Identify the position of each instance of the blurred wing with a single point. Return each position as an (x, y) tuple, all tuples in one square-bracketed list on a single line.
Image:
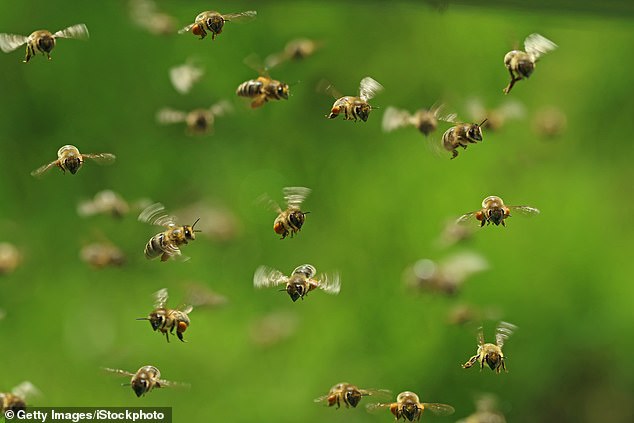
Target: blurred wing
[(9, 42), (331, 284), (439, 409), (187, 28), (155, 215), (26, 390), (295, 196), (394, 118), (266, 277), (275, 59), (241, 17), (369, 88), (118, 372), (168, 116), (169, 384), (101, 158), (268, 203), (255, 62), (185, 308), (160, 298), (43, 169), (480, 335), (465, 217), (536, 46), (449, 117), (377, 393), (524, 210), (324, 86), (503, 331), (377, 407), (221, 108), (78, 32), (183, 77), (323, 398)]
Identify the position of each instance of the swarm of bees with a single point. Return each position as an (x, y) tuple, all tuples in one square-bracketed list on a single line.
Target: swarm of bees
[(41, 41), (408, 407), (197, 121), (299, 283), (165, 320), (214, 22), (70, 159), (491, 354), (145, 379), (521, 64), (348, 395), (17, 398), (353, 108), (494, 211)]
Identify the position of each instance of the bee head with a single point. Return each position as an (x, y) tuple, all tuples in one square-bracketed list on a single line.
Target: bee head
[(295, 291), (525, 67), (496, 216), (46, 43), (189, 231), (297, 218), (200, 122), (215, 23), (156, 319), (363, 111), (475, 131), (282, 91), (139, 386), (17, 404), (353, 397), (72, 164)]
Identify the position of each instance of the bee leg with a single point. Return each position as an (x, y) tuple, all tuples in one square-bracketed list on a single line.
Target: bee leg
[(29, 53), (165, 257), (180, 336), (167, 337), (470, 363), (454, 154)]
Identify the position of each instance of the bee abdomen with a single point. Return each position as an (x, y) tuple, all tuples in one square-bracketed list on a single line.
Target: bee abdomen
[(154, 247), (251, 88)]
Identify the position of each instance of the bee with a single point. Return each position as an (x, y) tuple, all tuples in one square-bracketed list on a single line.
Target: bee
[(16, 399), (495, 118), (214, 22), (486, 411), (198, 121), (408, 406), (491, 354), (10, 258), (263, 88), (145, 379), (165, 320), (300, 283), (461, 135), (184, 76), (494, 211), (425, 120), (549, 122), (297, 49), (447, 276), (348, 394), (291, 220), (166, 244), (354, 108), (106, 202), (42, 41), (273, 328), (464, 314), (100, 255), (146, 15), (521, 64), (69, 158)]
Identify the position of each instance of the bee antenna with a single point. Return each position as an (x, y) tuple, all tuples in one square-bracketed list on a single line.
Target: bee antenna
[(483, 122), (195, 224), (142, 318), (305, 212), (283, 289)]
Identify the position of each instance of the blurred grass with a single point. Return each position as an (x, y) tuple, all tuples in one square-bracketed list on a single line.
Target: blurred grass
[(379, 202)]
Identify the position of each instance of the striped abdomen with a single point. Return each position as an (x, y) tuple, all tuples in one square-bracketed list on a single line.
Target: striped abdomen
[(251, 88), (155, 246)]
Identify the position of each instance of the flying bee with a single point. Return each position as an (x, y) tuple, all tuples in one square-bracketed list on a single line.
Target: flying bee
[(408, 406), (461, 135), (214, 22), (146, 15), (184, 76), (198, 121), (354, 108), (291, 220), (165, 320), (297, 49), (145, 379), (263, 88), (425, 120), (491, 354), (494, 211), (464, 314), (495, 118), (10, 258), (41, 41), (348, 394), (69, 158), (486, 411), (166, 244), (100, 255), (446, 276), (106, 202), (549, 122), (300, 283), (521, 64), (17, 398)]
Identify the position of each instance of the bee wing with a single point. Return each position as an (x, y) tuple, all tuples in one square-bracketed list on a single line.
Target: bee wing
[(183, 77), (78, 32), (26, 390), (377, 407), (467, 216), (449, 117), (324, 86), (185, 308), (323, 398), (221, 108), (536, 46), (255, 62), (524, 210), (186, 28), (9, 42), (268, 203), (480, 335), (394, 118), (275, 59), (247, 16), (265, 277), (169, 384), (168, 116), (118, 372), (160, 298), (503, 331), (295, 196), (368, 88), (154, 214), (378, 393), (43, 169), (439, 409), (101, 158), (330, 283)]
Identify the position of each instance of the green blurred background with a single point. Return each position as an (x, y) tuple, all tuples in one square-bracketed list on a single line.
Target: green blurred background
[(379, 203)]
